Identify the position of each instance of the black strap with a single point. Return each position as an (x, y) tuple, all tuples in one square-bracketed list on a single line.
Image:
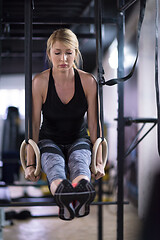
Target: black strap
[(156, 74), (100, 71), (101, 80), (28, 70), (114, 81)]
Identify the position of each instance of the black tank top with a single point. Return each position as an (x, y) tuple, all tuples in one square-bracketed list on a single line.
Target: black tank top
[(64, 123)]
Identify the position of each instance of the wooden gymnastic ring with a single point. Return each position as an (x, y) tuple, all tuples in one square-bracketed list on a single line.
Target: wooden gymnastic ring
[(94, 154), (37, 153)]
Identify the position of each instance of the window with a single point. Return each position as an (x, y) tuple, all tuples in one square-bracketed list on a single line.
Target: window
[(12, 97)]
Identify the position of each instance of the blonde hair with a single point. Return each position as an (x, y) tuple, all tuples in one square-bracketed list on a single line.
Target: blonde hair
[(68, 38)]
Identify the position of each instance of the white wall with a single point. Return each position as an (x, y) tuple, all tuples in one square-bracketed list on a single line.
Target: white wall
[(13, 81), (110, 110), (149, 161)]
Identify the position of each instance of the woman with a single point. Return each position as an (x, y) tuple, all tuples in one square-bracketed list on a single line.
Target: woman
[(64, 94)]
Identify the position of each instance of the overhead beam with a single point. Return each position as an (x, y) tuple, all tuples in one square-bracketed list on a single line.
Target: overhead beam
[(79, 35), (60, 21), (21, 54)]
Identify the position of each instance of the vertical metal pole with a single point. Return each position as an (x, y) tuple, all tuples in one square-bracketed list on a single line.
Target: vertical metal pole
[(1, 5), (100, 72), (157, 71), (28, 69), (1, 222), (100, 212), (120, 157)]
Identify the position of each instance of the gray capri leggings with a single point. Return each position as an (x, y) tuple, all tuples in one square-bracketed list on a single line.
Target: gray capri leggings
[(56, 159)]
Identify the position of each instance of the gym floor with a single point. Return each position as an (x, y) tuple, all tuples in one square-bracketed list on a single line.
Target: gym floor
[(77, 229)]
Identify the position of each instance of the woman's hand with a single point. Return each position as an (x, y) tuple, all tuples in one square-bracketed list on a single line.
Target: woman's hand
[(100, 171), (99, 164), (29, 174)]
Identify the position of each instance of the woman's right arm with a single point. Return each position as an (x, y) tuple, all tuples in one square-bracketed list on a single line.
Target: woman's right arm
[(37, 100)]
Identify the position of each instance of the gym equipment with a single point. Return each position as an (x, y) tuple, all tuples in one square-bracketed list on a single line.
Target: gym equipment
[(94, 153), (37, 153), (10, 145)]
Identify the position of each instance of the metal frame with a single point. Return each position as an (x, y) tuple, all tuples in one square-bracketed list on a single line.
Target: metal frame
[(46, 203), (64, 20), (100, 72), (120, 153), (28, 98), (135, 142), (1, 4)]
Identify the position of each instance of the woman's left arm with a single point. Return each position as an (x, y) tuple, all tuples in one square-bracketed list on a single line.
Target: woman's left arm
[(91, 93)]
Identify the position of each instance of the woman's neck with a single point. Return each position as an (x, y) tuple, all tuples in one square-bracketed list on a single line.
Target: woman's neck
[(63, 77)]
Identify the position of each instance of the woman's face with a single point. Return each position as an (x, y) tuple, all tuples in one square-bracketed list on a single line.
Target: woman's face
[(61, 56)]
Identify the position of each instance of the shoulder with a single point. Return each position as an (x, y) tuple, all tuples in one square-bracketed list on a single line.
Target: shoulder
[(87, 79), (40, 80), (89, 82), (40, 85), (85, 76), (41, 77)]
